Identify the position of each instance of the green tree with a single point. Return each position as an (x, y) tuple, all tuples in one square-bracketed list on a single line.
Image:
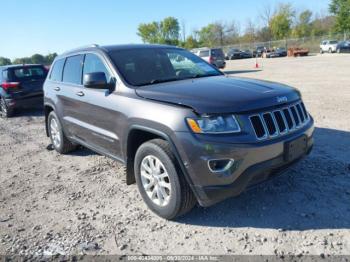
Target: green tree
[(170, 31), (217, 34), (49, 58), (190, 43), (281, 21), (4, 61), (37, 59), (341, 10), (23, 60), (163, 32), (303, 24)]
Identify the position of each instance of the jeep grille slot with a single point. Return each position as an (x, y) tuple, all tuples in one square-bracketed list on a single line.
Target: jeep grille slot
[(301, 114), (282, 127), (288, 117), (258, 127), (279, 122), (295, 115), (270, 124)]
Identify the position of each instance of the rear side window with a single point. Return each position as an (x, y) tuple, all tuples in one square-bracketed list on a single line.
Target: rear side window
[(28, 73), (57, 69), (72, 72), (204, 53)]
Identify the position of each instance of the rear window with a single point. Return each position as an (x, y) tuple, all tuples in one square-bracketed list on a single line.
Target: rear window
[(28, 73), (217, 52)]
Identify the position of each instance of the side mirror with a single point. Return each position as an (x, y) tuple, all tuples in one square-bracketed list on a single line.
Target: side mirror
[(96, 80)]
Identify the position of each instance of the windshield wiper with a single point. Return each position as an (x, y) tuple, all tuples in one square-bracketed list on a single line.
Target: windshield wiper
[(157, 81), (200, 76)]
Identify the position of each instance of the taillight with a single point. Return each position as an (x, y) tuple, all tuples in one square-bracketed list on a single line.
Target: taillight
[(211, 59), (8, 85)]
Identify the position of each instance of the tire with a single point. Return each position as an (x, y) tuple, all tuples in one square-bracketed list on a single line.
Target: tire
[(321, 51), (179, 198), (330, 50), (58, 139), (5, 111)]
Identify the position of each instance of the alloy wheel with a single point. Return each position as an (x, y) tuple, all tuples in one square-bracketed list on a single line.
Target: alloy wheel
[(55, 133), (155, 180)]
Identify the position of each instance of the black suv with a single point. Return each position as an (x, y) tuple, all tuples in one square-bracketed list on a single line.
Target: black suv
[(186, 132), (21, 86)]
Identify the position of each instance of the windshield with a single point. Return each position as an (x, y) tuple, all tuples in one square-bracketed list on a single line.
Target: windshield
[(157, 65)]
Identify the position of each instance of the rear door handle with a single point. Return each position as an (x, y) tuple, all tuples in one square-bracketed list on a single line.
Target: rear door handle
[(57, 88), (80, 93)]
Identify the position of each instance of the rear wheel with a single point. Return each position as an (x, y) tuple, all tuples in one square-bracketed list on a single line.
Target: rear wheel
[(160, 181), (5, 111), (58, 139), (330, 50)]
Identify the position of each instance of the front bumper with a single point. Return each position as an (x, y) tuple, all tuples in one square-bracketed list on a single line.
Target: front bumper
[(253, 163)]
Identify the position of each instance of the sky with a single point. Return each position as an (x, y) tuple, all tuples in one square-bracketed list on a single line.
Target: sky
[(41, 26)]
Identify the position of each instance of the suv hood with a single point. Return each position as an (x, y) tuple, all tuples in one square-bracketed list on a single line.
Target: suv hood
[(220, 94)]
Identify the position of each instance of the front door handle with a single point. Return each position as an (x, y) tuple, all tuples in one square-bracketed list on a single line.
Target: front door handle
[(57, 88), (80, 93)]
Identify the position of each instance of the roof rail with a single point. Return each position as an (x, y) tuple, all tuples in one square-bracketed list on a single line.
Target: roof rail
[(82, 47)]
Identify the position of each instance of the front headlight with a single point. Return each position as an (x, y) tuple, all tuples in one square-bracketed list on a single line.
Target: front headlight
[(214, 124)]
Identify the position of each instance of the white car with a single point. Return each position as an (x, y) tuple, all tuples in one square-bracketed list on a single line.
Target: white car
[(329, 46)]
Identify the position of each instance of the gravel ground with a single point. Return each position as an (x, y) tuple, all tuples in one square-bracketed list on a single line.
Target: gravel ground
[(79, 203)]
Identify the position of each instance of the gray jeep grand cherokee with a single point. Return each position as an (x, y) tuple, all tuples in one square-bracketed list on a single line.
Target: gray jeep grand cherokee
[(186, 132)]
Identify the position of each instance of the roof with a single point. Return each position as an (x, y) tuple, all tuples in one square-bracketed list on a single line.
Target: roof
[(19, 65), (109, 48)]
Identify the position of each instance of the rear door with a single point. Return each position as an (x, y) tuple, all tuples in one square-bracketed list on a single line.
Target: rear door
[(31, 80), (70, 95)]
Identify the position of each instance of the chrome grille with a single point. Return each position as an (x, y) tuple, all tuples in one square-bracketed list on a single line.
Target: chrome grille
[(279, 122)]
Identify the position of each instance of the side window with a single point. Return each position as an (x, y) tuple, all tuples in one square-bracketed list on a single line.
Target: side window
[(73, 67), (57, 69), (93, 64), (204, 53)]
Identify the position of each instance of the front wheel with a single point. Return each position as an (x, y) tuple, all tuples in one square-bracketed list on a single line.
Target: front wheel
[(58, 139), (330, 50), (160, 181)]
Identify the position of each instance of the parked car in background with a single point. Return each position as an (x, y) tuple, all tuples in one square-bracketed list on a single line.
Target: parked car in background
[(278, 52), (185, 132), (246, 54), (259, 51), (343, 47), (281, 51), (329, 46), (21, 86), (233, 54), (214, 56)]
